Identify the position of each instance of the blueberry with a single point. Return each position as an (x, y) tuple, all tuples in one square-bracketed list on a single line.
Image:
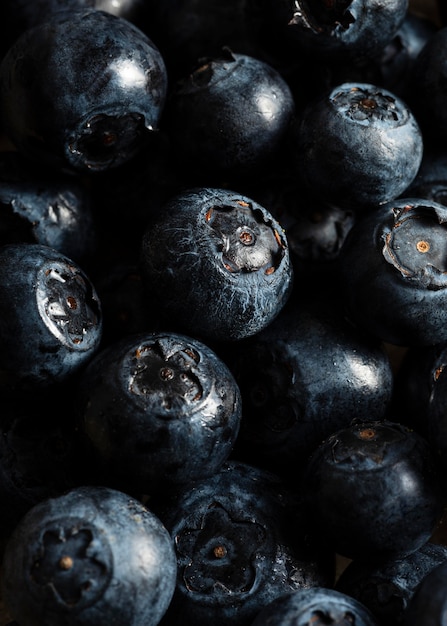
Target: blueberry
[(387, 589), (110, 81), (309, 373), (158, 410), (373, 489), (41, 206), (358, 132), (428, 603), (216, 264), (241, 541), (229, 116), (316, 606), (50, 317), (431, 180), (91, 556), (392, 272)]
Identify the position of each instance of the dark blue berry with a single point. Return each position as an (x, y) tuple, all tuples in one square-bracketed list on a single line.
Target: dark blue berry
[(91, 556), (216, 264), (82, 90), (158, 410), (428, 603)]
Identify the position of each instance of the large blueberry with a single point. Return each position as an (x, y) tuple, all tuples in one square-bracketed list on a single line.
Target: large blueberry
[(309, 373), (393, 272), (358, 145), (373, 491), (316, 606), (241, 541), (228, 116), (386, 589), (50, 317), (82, 90), (41, 206), (157, 410), (216, 263), (93, 556)]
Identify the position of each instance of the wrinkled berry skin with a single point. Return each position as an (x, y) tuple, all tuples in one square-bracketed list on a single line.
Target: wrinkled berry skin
[(341, 28), (91, 556), (50, 317), (309, 373), (229, 115), (82, 90), (158, 410), (428, 604), (387, 589), (44, 207), (358, 132), (240, 541), (373, 491), (393, 272), (316, 606), (216, 263)]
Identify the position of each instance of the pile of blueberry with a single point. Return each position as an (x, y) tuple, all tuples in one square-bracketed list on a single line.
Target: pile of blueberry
[(223, 312)]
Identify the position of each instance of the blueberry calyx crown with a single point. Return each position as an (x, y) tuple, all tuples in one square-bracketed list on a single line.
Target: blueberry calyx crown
[(367, 104), (248, 243), (415, 244)]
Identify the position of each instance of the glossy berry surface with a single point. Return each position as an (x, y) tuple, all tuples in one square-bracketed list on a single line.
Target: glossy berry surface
[(91, 556), (361, 132), (230, 114), (373, 491), (316, 606), (393, 272), (216, 263), (158, 410), (240, 540), (51, 318), (110, 81)]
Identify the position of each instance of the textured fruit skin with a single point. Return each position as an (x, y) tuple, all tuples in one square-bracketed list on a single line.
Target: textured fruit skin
[(315, 606), (44, 207), (306, 375), (373, 491), (91, 556), (228, 116), (362, 132), (82, 90), (388, 588), (158, 410), (50, 317), (428, 604), (393, 272), (241, 541), (216, 263)]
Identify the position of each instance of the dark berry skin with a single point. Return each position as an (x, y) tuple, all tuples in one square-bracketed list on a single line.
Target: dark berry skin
[(240, 542), (393, 274), (91, 556), (358, 132), (44, 207), (50, 317), (229, 116), (341, 28), (158, 410), (431, 180), (309, 373), (435, 413), (373, 491), (428, 604), (110, 81), (316, 606), (216, 263), (388, 588)]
